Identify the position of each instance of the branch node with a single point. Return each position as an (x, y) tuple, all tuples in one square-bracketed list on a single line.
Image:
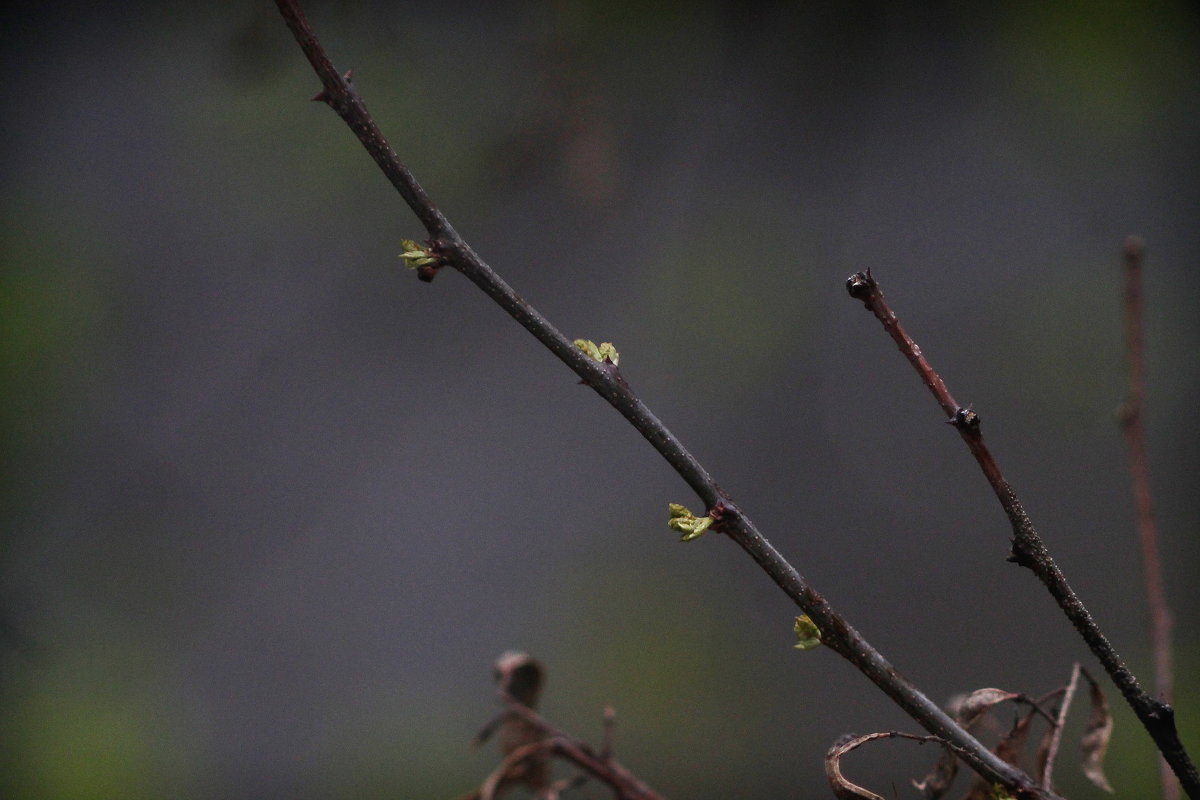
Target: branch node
[(966, 420), (1021, 555)]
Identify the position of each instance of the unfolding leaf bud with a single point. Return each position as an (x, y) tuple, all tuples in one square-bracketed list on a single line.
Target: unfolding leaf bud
[(687, 523), (808, 635)]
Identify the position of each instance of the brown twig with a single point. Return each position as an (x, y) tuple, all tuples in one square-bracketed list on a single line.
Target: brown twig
[(1028, 549), (1058, 725), (1133, 252), (453, 251), (554, 742)]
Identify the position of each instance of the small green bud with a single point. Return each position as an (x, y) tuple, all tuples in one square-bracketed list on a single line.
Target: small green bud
[(686, 522), (808, 635), (607, 351), (677, 510), (602, 352), (415, 256)]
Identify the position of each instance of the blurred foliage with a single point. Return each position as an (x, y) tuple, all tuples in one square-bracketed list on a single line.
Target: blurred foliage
[(726, 306), (1113, 66), (88, 723), (49, 305)]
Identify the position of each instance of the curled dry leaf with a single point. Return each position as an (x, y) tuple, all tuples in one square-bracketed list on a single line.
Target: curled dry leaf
[(1095, 739), (844, 789), (970, 709)]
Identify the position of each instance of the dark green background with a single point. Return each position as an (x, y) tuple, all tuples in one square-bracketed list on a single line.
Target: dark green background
[(271, 507)]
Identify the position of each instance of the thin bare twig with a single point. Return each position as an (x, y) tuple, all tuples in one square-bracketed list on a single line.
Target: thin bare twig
[(1133, 252), (1058, 724), (601, 766), (1028, 549), (340, 95)]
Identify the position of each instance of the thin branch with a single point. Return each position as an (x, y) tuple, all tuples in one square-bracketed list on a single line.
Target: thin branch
[(1133, 253), (843, 639), (1028, 549), (1058, 724), (601, 766)]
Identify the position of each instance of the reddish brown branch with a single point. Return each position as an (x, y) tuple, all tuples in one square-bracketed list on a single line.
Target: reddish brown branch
[(1133, 252), (1028, 549)]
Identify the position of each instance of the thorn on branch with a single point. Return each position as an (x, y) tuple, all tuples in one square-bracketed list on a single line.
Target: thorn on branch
[(323, 96)]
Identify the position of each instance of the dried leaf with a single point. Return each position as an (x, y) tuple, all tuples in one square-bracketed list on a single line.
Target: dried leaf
[(1096, 736), (970, 709), (520, 676), (1009, 750), (1011, 746), (938, 781), (1043, 755), (842, 788)]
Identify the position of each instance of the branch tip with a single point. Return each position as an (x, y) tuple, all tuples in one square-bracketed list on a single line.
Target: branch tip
[(1133, 247), (861, 285)]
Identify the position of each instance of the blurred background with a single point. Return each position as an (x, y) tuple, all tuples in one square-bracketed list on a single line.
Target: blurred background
[(271, 507)]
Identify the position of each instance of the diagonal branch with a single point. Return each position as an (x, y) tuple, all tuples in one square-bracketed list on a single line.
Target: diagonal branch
[(1028, 549), (843, 639)]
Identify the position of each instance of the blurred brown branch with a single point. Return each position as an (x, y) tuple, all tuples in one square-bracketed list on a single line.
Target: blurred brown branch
[(1133, 253), (528, 741)]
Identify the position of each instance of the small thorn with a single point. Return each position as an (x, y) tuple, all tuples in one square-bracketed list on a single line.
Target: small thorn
[(320, 97), (348, 76)]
